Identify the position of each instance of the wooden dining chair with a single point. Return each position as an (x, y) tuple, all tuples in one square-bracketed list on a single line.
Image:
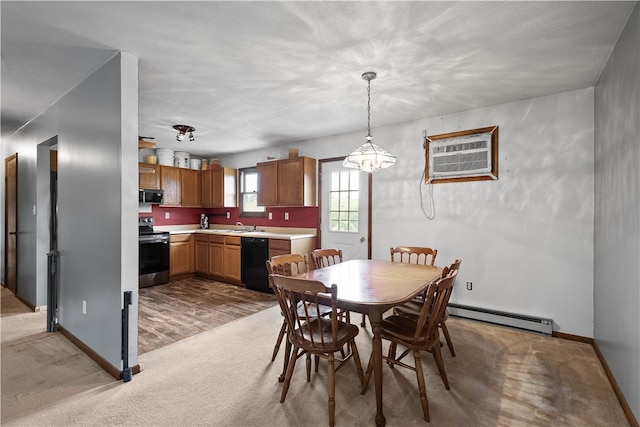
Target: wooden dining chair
[(288, 265), (321, 336), (326, 257), (412, 308), (416, 335), (414, 255)]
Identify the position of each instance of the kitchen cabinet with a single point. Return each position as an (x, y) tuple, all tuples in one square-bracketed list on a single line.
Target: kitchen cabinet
[(170, 183), (297, 246), (202, 254), (219, 257), (219, 188), (232, 259), (190, 187), (181, 186), (288, 182), (181, 255), (148, 176), (267, 183), (216, 256)]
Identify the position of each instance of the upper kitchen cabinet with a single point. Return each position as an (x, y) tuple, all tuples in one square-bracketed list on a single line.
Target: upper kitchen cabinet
[(288, 182), (190, 188), (170, 183), (219, 188), (267, 183), (148, 176), (181, 186)]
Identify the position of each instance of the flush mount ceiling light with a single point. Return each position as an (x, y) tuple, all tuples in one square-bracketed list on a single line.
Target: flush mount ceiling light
[(369, 157), (182, 130)]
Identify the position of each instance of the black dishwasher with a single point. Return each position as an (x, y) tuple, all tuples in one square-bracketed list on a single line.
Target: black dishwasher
[(255, 252)]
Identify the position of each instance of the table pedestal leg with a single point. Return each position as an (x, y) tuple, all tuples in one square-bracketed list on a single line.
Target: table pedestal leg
[(375, 319)]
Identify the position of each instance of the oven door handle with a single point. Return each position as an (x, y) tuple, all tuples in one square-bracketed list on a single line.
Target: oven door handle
[(153, 239)]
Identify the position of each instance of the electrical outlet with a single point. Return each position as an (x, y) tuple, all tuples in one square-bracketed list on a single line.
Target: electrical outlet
[(167, 215), (84, 307), (469, 286), (286, 216), (228, 215), (270, 215)]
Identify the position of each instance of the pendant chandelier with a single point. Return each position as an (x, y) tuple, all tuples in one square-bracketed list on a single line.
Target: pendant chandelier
[(369, 157)]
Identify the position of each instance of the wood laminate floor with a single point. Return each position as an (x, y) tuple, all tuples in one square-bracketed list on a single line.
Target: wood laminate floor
[(182, 308)]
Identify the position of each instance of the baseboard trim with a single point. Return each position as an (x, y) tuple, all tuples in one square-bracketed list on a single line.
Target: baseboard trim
[(112, 370), (616, 388), (27, 303)]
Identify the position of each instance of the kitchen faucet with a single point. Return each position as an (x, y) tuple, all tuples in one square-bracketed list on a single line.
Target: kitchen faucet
[(246, 227)]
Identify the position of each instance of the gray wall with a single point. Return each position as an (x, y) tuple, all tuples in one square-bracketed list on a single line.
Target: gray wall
[(617, 216), (96, 128), (526, 240)]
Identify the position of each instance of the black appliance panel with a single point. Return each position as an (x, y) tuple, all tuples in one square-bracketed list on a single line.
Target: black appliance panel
[(255, 253)]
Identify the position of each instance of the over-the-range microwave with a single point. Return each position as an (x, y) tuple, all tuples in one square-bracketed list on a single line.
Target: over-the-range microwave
[(150, 197)]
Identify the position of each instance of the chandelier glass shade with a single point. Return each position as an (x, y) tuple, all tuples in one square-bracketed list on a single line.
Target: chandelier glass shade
[(369, 157)]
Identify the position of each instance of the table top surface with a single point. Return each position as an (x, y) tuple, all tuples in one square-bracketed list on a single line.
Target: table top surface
[(375, 282)]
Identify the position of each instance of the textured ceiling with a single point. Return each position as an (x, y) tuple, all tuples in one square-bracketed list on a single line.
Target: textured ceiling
[(248, 75)]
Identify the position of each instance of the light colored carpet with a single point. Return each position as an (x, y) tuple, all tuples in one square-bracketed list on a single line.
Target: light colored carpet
[(224, 377)]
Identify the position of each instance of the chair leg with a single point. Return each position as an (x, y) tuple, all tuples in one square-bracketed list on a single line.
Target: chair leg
[(283, 330), (437, 356), (363, 323), (309, 367), (367, 375), (287, 379), (392, 354), (356, 359), (317, 362), (421, 386), (287, 356), (332, 390), (445, 332)]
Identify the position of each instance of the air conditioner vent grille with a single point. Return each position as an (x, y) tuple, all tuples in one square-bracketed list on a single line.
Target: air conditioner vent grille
[(461, 162)]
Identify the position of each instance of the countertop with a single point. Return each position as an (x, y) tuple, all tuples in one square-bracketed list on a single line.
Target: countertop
[(264, 232)]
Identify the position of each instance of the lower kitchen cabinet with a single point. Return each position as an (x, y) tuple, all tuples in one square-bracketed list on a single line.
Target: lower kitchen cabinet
[(202, 254), (232, 259), (218, 257), (181, 255)]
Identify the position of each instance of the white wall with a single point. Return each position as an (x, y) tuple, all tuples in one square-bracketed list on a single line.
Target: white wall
[(617, 215), (526, 240), (96, 128)]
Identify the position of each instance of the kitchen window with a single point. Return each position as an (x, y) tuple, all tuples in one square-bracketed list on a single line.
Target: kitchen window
[(249, 193), (344, 199)]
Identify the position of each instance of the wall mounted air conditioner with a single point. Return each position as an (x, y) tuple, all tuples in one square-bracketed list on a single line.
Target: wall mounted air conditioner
[(462, 156)]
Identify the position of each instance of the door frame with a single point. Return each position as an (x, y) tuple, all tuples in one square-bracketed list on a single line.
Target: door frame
[(6, 223), (369, 204)]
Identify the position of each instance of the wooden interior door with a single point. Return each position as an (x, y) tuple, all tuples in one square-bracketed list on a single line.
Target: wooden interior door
[(11, 222)]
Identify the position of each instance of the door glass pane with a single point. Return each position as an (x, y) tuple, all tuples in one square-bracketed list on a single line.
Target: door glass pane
[(344, 197)]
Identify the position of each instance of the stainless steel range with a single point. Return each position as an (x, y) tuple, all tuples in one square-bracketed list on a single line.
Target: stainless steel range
[(153, 253)]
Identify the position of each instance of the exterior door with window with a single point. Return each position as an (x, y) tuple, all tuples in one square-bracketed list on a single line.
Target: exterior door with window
[(344, 222)]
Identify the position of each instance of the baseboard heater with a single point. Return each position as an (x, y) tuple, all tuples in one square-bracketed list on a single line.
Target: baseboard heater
[(536, 324)]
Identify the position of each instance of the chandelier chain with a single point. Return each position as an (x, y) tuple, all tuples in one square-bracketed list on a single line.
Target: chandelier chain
[(369, 108)]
